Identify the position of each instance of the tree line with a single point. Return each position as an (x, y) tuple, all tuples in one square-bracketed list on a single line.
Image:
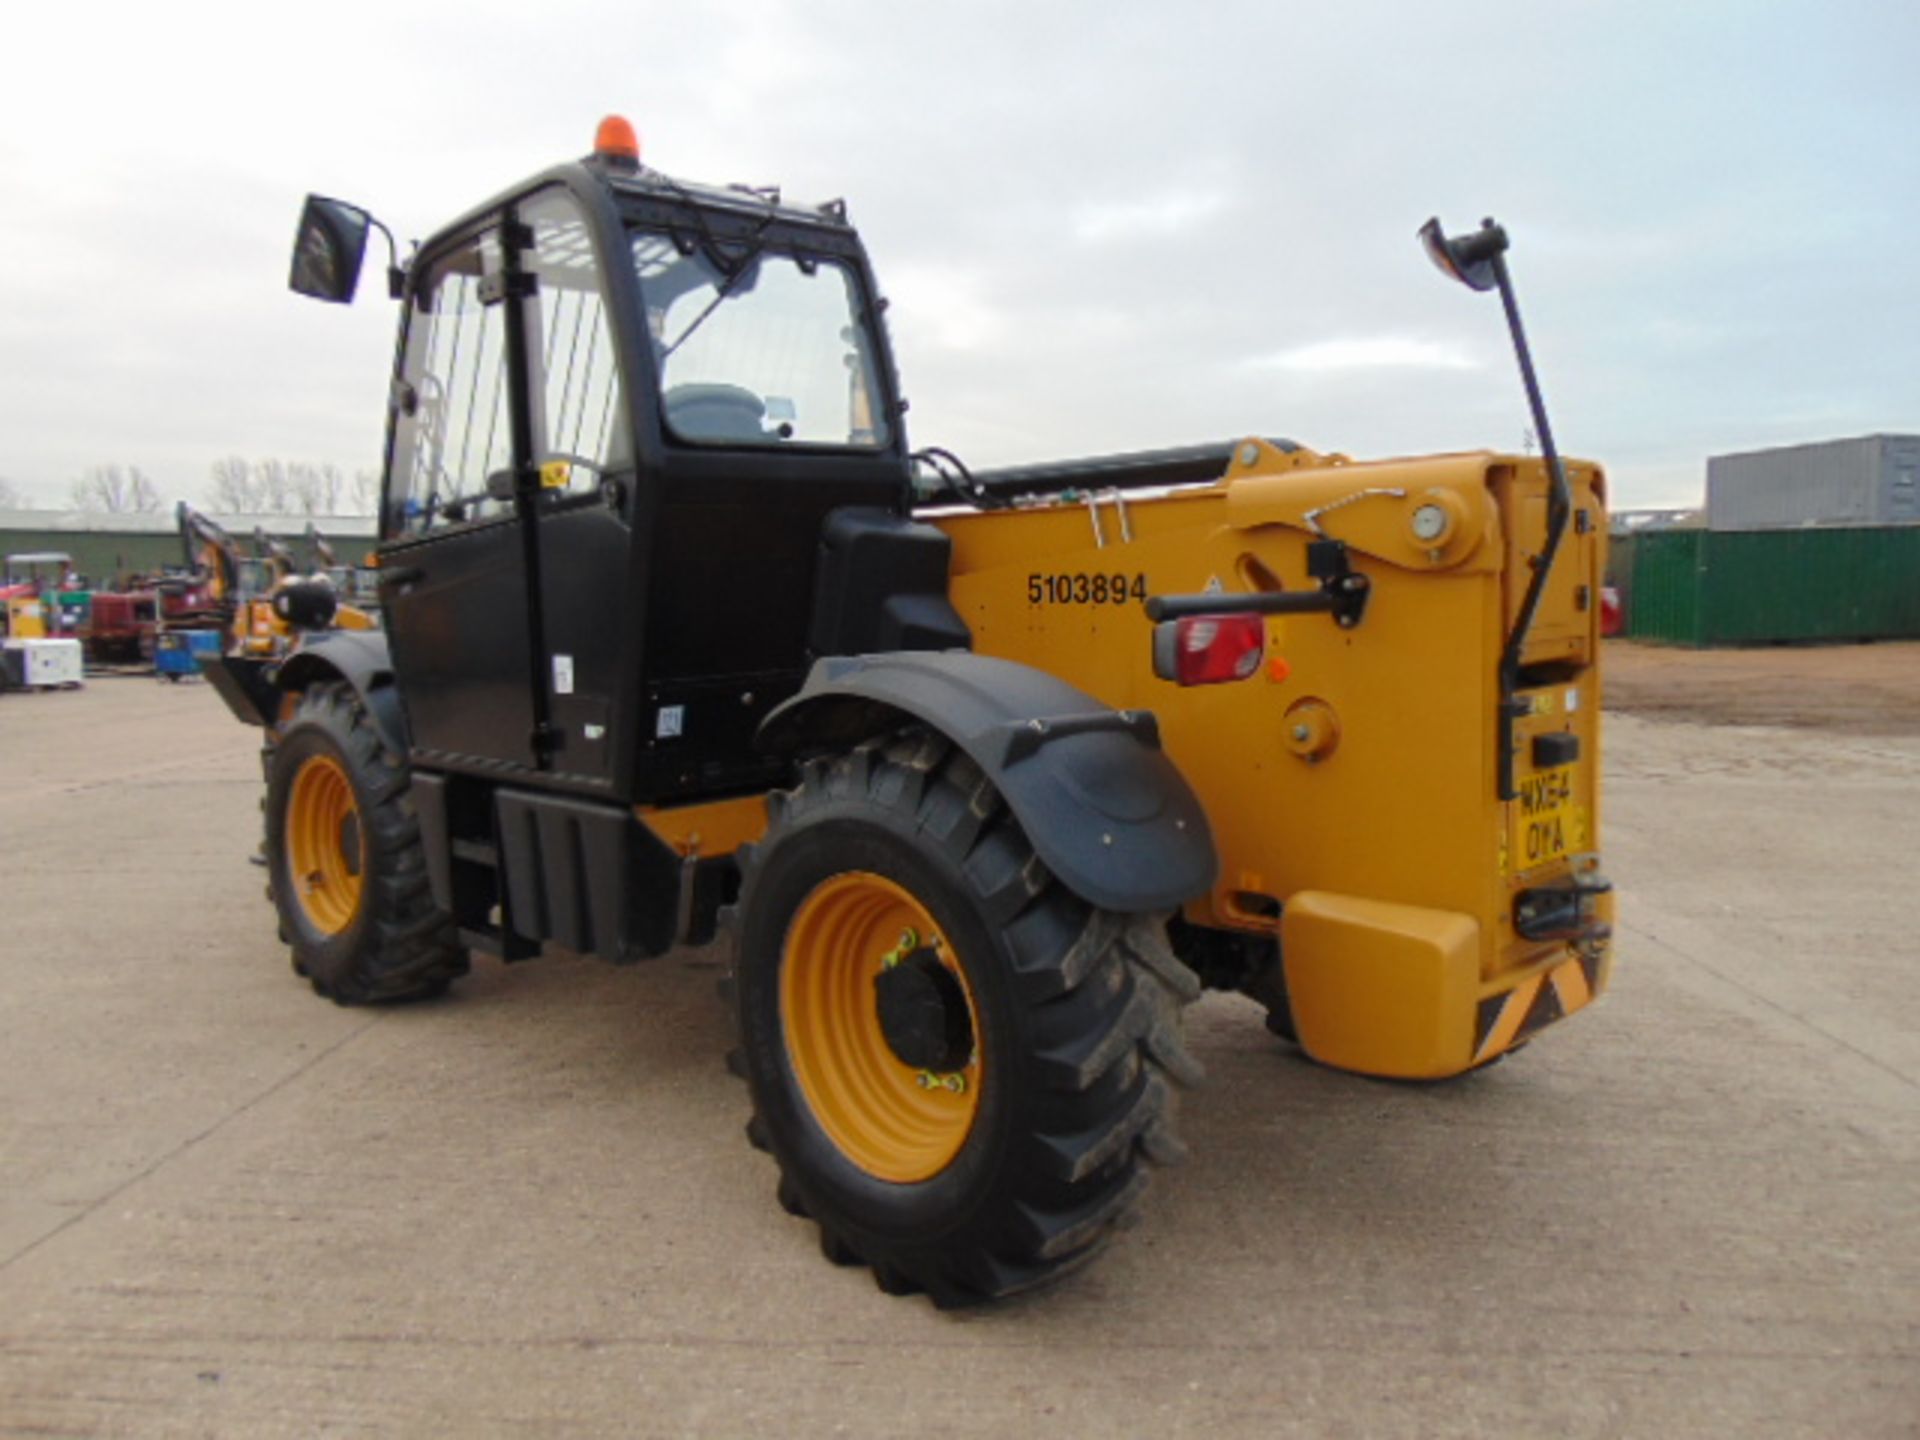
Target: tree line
[(291, 487), (238, 486)]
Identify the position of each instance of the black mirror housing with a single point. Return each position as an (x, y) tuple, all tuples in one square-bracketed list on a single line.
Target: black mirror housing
[(328, 248), (1467, 258)]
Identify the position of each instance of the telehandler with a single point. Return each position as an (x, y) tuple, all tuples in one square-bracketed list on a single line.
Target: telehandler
[(987, 775)]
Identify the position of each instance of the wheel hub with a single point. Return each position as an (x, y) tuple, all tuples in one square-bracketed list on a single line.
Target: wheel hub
[(923, 1013)]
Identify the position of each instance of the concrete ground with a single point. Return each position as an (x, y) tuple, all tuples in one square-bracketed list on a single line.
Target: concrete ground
[(230, 1208)]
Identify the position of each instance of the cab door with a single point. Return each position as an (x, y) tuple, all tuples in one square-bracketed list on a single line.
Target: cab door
[(502, 594), (581, 438), (452, 576)]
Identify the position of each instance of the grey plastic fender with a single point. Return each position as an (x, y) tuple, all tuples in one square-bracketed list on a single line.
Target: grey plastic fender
[(1107, 811), (362, 659)]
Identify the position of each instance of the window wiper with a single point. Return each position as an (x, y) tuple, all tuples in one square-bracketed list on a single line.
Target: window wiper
[(747, 264)]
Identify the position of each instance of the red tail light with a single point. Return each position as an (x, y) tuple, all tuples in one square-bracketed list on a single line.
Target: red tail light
[(1209, 649)]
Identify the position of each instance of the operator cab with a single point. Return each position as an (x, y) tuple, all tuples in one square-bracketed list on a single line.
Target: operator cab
[(623, 410)]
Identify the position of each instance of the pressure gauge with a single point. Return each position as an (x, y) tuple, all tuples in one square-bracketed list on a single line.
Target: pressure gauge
[(1430, 522)]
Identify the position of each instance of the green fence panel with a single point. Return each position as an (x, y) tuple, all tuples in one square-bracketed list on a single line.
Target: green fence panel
[(1666, 587), (1706, 587)]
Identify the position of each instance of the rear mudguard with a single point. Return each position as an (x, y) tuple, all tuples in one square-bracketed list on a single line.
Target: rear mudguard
[(361, 658), (244, 682), (1106, 810)]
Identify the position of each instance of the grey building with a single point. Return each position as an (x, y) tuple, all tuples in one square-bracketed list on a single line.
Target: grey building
[(1869, 480)]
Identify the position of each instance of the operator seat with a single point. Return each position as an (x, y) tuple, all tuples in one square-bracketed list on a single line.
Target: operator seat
[(715, 412)]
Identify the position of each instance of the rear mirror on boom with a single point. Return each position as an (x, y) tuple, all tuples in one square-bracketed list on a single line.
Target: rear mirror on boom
[(1468, 258), (1478, 260)]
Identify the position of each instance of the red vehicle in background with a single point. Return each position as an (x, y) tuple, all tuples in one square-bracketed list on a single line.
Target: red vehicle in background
[(184, 600), (121, 626), (1613, 615)]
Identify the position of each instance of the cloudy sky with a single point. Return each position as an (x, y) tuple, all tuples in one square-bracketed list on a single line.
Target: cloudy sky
[(1104, 226)]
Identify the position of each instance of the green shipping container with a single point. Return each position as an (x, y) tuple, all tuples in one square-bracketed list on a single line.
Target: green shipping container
[(1622, 551), (1754, 587)]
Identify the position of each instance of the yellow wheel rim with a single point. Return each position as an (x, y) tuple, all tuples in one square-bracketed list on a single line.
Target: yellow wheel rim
[(894, 1121), (325, 846)]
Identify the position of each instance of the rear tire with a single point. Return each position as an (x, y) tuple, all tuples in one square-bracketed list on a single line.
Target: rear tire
[(989, 1129), (345, 866)]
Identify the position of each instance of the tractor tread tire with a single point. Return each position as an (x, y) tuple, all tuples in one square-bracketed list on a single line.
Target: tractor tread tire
[(1091, 1104), (400, 946)]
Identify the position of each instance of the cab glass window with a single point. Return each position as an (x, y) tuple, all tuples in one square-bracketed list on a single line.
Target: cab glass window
[(451, 430), (767, 348), (580, 424)]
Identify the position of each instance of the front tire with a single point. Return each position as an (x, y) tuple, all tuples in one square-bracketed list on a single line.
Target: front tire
[(345, 865), (961, 1068)]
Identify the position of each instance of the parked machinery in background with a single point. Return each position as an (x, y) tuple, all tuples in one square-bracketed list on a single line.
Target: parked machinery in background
[(43, 606), (255, 603), (121, 626), (33, 582)]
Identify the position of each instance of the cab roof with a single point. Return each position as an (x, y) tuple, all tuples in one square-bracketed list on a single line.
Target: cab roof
[(732, 204), (758, 201)]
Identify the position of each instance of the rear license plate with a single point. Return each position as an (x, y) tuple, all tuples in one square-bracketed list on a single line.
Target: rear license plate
[(1548, 820)]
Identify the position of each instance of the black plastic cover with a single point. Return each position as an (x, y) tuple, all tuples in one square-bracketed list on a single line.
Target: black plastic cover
[(1106, 810), (430, 808), (242, 681), (585, 874), (882, 585)]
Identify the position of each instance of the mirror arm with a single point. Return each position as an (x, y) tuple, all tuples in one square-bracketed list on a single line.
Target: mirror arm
[(396, 276)]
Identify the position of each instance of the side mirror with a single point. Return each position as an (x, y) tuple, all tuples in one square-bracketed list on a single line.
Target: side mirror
[(328, 249)]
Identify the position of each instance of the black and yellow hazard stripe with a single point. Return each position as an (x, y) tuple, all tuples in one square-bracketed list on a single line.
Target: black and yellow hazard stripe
[(1536, 1002)]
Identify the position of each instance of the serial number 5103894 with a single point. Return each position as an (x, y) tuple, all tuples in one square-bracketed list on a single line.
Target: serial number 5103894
[(1116, 588)]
